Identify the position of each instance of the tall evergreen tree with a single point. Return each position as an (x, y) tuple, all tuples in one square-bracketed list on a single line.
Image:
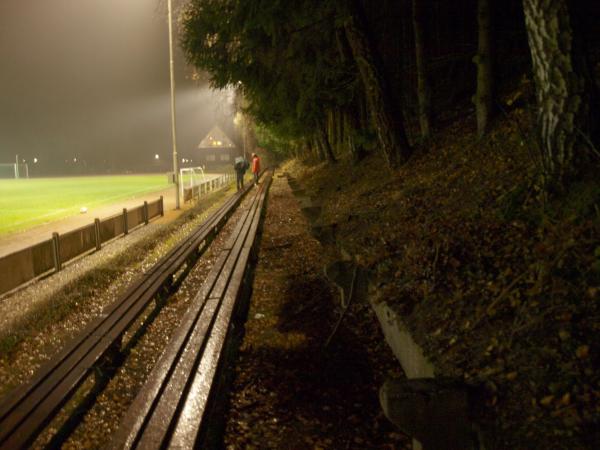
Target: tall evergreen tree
[(484, 97), (385, 112), (282, 55), (423, 86)]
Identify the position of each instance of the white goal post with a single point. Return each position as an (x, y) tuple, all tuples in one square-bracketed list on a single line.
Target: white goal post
[(190, 177), (13, 170)]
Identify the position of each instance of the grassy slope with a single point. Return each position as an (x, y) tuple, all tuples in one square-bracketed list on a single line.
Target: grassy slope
[(501, 292), (26, 203)]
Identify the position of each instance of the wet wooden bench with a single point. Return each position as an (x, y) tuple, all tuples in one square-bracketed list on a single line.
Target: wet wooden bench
[(174, 407), (28, 409)]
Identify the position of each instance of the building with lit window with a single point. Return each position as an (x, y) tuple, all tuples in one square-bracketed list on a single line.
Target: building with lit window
[(216, 149)]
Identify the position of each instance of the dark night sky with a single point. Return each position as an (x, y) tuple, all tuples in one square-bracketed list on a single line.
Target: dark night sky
[(90, 79)]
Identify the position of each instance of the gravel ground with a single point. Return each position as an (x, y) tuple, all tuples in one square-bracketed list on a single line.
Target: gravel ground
[(103, 418), (53, 310)]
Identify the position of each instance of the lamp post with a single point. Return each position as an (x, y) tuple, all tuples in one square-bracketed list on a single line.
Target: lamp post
[(175, 167)]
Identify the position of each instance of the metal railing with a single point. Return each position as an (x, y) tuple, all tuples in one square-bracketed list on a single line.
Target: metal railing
[(194, 193)]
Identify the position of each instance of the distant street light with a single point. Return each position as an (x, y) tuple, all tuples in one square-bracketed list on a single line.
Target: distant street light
[(172, 72)]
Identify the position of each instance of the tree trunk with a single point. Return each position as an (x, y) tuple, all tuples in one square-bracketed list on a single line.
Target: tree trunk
[(563, 99), (303, 148), (340, 131), (351, 127), (387, 116), (332, 130), (317, 150), (423, 86), (325, 144), (483, 60)]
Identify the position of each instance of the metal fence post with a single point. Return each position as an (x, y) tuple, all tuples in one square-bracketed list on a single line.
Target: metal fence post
[(125, 224), (56, 252), (97, 233), (162, 208), (145, 213)]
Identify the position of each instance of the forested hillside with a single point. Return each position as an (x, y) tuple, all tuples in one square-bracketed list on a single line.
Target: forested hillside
[(455, 149)]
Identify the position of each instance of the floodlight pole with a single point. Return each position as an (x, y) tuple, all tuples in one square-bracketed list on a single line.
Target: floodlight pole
[(172, 70)]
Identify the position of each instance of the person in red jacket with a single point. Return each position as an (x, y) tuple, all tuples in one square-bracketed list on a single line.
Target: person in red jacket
[(255, 167)]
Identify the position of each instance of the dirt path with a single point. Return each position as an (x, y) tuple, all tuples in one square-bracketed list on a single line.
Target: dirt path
[(289, 391), (16, 241)]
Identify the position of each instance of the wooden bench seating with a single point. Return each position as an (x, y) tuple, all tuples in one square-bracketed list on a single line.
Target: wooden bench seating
[(174, 407), (28, 409)]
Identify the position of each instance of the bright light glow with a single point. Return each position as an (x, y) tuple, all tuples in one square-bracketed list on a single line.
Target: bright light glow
[(35, 160), (156, 156), (237, 120), (74, 159)]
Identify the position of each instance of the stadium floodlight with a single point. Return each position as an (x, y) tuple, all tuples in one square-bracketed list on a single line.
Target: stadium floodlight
[(172, 77)]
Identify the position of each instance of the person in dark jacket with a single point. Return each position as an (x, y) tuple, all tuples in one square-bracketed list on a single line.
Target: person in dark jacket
[(240, 165)]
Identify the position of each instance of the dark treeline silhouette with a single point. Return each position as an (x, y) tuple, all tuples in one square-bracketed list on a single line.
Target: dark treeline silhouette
[(330, 78)]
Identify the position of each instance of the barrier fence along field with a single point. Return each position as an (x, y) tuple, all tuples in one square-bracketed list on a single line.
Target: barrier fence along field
[(26, 264), (30, 408), (195, 192)]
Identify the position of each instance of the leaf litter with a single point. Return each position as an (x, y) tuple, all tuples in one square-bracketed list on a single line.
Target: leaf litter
[(501, 290), (289, 390)]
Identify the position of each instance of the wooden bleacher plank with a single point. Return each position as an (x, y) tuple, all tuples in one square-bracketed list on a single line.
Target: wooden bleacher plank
[(193, 415), (29, 408), (138, 288), (170, 410)]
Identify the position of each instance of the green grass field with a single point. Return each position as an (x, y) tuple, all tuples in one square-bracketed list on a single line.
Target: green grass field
[(25, 203)]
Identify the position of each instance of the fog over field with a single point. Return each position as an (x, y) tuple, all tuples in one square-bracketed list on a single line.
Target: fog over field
[(90, 80)]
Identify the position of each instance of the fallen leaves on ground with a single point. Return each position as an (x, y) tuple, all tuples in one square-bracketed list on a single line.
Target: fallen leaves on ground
[(289, 390), (500, 289)]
